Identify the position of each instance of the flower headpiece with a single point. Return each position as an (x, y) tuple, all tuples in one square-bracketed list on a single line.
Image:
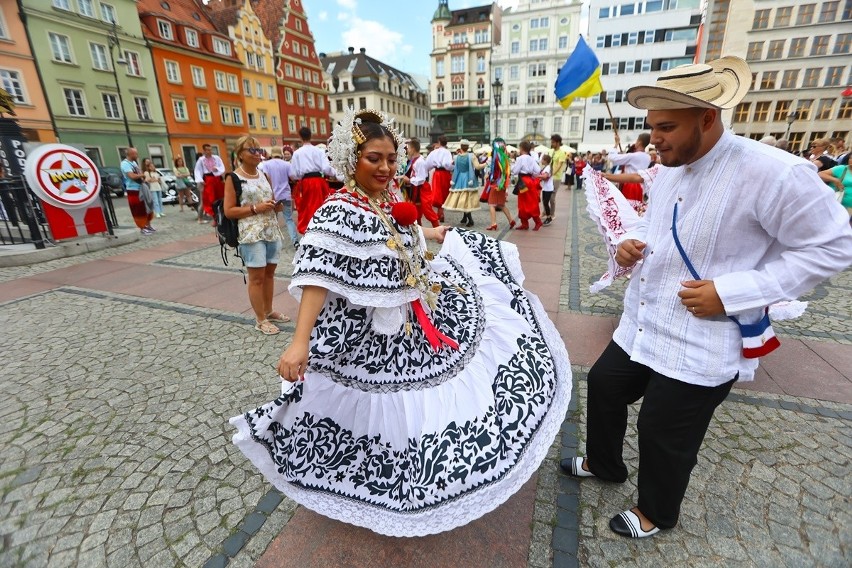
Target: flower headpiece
[(347, 136)]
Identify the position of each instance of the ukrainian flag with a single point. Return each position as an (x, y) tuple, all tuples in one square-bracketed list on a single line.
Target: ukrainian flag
[(580, 76)]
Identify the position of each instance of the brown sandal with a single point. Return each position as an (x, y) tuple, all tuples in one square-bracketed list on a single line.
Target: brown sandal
[(267, 328), (278, 316)]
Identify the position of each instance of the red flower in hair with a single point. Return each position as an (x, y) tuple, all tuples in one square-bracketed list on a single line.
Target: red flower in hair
[(404, 212)]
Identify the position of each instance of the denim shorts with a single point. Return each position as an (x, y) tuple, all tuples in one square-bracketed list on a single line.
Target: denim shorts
[(261, 253)]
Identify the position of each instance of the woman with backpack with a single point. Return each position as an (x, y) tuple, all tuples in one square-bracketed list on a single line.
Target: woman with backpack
[(259, 234), (433, 384)]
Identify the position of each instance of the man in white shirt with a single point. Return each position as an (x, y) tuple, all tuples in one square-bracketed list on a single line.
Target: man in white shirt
[(310, 167), (209, 170), (278, 170), (440, 160), (747, 249), (415, 184)]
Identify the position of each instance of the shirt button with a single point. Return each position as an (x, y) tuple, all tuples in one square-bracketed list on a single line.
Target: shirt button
[(680, 198), (641, 280), (641, 303), (640, 329)]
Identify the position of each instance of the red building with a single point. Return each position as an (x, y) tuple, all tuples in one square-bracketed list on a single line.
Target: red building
[(301, 97), (198, 75)]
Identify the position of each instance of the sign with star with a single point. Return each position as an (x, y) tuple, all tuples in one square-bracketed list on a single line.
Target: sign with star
[(63, 176)]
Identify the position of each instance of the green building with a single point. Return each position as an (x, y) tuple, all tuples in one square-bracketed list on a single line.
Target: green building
[(98, 77)]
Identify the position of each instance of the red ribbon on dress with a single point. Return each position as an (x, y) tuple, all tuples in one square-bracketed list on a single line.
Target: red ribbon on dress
[(434, 336)]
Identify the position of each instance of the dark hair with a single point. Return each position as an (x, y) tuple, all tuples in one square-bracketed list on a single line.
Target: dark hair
[(414, 143), (305, 133), (205, 146), (525, 146), (176, 161), (556, 138), (442, 140), (644, 138), (372, 129)]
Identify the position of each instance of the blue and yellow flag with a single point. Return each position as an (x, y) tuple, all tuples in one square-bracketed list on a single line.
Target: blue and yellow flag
[(580, 76)]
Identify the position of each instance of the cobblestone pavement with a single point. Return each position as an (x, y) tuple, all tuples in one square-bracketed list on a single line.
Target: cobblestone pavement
[(116, 450)]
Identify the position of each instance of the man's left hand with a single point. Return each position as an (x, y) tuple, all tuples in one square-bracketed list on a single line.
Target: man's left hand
[(701, 299)]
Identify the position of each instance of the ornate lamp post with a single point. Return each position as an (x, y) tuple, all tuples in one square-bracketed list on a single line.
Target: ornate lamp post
[(497, 89), (535, 129), (113, 43), (791, 118)]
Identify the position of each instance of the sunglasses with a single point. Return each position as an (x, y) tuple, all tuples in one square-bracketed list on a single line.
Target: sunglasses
[(254, 150)]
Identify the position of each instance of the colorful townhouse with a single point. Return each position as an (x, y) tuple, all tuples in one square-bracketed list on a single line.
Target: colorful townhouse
[(198, 75), (302, 97), (98, 76), (19, 77), (239, 22)]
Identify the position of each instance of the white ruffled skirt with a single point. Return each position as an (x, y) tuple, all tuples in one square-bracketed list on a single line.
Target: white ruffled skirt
[(388, 434)]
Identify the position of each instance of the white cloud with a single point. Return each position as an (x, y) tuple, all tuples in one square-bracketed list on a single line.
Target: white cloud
[(322, 16), (381, 42), (348, 4), (341, 16)]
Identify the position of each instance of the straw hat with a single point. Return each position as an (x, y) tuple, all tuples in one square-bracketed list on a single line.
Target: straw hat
[(717, 84), (276, 152)]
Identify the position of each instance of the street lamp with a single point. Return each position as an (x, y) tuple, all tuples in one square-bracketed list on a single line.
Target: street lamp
[(535, 129), (497, 89), (113, 43), (791, 118)]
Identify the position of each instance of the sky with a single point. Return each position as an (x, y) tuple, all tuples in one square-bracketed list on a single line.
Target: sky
[(396, 33)]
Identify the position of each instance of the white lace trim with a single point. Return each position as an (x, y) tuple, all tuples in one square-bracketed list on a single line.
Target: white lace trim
[(342, 246)]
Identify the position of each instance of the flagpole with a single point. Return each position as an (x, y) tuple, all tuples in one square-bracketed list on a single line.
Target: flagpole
[(614, 126)]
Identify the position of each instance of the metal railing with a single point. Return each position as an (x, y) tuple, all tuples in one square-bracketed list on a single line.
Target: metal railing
[(21, 217)]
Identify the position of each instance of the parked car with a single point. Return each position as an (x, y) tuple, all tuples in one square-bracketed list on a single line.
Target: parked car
[(112, 179), (170, 194)]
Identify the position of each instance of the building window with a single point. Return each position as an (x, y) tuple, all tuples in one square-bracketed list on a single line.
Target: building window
[(198, 76), (768, 81), (782, 16), (62, 4), (480, 90), (312, 101), (845, 111), (321, 101), (134, 65), (339, 104), (513, 72), (513, 125), (804, 108), (755, 51), (74, 102), (300, 98), (219, 79), (298, 73), (258, 89), (251, 122), (790, 79), (304, 50), (192, 38), (291, 123), (833, 76), (288, 95), (111, 108), (313, 125), (797, 47), (480, 64), (741, 112), (646, 66), (61, 48), (847, 11), (820, 45), (457, 64), (238, 115), (761, 19), (100, 59), (233, 83), (11, 81), (439, 68), (439, 92), (288, 69), (143, 112), (828, 12), (533, 45), (811, 77), (782, 109), (761, 111), (172, 71), (600, 42), (246, 87), (515, 47), (776, 49), (225, 114), (179, 108), (806, 14), (165, 29), (274, 122), (263, 122), (841, 45), (825, 109), (87, 8), (221, 46), (649, 36), (108, 13), (513, 97), (632, 38), (271, 92), (562, 43), (204, 112)]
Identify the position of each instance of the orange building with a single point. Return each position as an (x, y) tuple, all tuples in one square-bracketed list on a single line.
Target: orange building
[(18, 75), (301, 96), (199, 77)]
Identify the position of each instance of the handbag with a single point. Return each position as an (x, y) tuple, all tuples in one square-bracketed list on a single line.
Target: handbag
[(758, 338), (839, 193), (520, 186)]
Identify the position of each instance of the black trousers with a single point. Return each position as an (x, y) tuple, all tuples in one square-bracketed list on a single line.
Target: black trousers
[(672, 423)]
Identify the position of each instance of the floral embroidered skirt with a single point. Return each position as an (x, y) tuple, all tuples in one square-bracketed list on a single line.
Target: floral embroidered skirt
[(389, 434)]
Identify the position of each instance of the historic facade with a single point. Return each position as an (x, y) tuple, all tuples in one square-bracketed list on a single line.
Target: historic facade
[(354, 79), (460, 95), (100, 77), (259, 86), (537, 37), (799, 56)]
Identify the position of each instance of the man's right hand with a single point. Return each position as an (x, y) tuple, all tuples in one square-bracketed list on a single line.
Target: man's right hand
[(629, 252)]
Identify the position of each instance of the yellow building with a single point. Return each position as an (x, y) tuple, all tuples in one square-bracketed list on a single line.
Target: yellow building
[(238, 20)]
